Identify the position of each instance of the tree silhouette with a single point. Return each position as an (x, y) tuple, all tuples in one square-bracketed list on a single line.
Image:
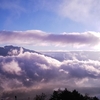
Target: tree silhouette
[(95, 98), (15, 97), (68, 95), (40, 97)]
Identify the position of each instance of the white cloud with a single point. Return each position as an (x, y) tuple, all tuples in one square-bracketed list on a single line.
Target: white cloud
[(61, 70), (43, 66), (76, 9), (81, 11), (11, 67), (34, 71), (37, 37), (13, 52)]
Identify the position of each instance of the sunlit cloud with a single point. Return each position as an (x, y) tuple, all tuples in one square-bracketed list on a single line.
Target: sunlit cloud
[(38, 37), (33, 71), (11, 67)]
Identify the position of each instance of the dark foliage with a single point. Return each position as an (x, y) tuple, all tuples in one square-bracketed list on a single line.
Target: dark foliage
[(68, 95), (40, 97)]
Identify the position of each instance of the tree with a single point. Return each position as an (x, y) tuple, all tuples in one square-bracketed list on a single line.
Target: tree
[(95, 98), (40, 97)]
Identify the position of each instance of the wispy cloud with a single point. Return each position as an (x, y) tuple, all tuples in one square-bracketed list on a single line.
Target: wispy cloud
[(12, 7), (86, 12)]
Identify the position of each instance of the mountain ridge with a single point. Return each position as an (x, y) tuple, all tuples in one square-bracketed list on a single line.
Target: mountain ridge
[(5, 51)]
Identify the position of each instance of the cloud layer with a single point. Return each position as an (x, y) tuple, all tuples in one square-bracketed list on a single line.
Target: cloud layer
[(37, 37), (36, 71)]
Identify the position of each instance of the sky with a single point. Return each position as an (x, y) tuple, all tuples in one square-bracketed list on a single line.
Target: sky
[(50, 24)]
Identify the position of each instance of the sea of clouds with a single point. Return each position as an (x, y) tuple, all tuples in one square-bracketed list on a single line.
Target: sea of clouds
[(25, 71)]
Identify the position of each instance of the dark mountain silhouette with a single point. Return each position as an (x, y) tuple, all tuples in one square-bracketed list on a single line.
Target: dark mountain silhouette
[(4, 51)]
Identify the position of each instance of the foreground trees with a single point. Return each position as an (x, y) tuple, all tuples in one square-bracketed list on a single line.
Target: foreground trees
[(40, 97), (68, 95), (65, 95)]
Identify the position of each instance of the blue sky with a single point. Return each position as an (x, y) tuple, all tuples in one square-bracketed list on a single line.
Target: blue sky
[(50, 16), (36, 14)]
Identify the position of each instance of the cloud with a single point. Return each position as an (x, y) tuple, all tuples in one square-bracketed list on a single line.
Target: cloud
[(86, 68), (11, 67), (27, 71), (37, 37), (80, 11), (13, 7)]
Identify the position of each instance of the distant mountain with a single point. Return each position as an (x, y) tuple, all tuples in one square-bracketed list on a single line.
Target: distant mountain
[(9, 50)]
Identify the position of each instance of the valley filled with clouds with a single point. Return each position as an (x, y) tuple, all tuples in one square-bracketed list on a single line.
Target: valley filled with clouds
[(29, 70)]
